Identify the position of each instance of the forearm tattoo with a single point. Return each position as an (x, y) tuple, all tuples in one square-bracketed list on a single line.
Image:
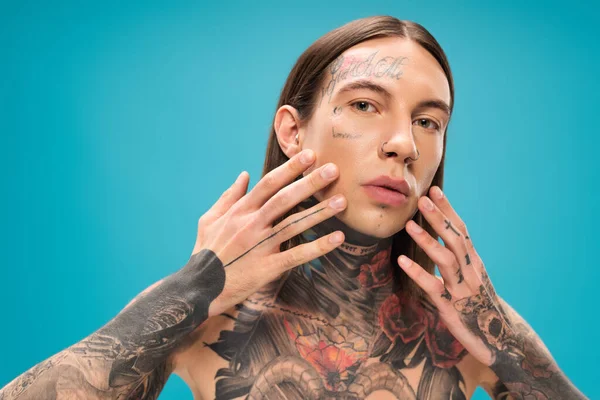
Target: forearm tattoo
[(520, 360), (127, 358)]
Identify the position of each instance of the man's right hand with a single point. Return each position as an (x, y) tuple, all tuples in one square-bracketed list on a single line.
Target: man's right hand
[(239, 227)]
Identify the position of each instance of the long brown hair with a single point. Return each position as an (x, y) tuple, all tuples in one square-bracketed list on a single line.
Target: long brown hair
[(301, 91)]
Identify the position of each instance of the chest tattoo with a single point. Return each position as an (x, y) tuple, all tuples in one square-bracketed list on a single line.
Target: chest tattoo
[(339, 333)]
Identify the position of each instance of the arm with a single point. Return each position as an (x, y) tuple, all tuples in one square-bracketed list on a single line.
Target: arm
[(130, 357), (524, 366), (475, 315)]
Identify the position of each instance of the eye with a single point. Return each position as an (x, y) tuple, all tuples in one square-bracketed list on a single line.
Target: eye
[(364, 106), (427, 124)]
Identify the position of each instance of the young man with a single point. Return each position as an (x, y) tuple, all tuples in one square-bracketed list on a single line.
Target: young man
[(363, 116)]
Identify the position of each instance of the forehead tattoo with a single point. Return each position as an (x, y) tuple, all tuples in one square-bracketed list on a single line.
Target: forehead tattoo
[(345, 67)]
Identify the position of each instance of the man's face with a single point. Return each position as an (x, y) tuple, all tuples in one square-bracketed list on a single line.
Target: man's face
[(382, 90)]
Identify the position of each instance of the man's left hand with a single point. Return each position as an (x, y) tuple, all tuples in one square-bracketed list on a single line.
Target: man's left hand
[(465, 298)]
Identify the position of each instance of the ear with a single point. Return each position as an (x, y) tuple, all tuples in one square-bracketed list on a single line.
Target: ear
[(287, 129)]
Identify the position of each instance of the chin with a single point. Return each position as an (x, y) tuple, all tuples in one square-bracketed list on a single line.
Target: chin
[(371, 220)]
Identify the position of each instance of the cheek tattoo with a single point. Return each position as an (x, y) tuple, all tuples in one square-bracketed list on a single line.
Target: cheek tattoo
[(339, 135)]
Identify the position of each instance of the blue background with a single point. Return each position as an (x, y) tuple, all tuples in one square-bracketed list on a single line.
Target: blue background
[(121, 123)]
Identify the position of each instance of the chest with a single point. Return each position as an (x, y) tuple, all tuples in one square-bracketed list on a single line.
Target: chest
[(270, 350)]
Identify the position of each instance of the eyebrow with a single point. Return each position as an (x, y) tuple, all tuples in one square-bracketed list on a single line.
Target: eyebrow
[(365, 84), (439, 104)]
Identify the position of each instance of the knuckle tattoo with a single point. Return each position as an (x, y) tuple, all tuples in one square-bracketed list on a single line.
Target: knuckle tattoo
[(446, 294)]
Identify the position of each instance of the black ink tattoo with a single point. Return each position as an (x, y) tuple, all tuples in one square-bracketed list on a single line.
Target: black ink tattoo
[(344, 67), (273, 234), (446, 295), (460, 275), (127, 358), (468, 259), (449, 226), (335, 328), (337, 110), (522, 363), (337, 135)]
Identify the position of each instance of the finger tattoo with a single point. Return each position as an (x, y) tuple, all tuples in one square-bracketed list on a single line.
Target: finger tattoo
[(273, 234), (459, 273), (446, 294), (449, 226)]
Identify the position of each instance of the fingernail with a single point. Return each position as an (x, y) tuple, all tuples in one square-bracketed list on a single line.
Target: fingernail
[(337, 237), (404, 261), (329, 171), (307, 156), (414, 227), (337, 202), (428, 204), (239, 178), (437, 193)]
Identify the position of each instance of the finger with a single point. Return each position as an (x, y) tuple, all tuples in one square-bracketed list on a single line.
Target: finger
[(442, 202), (273, 181), (231, 195), (306, 252), (298, 191), (426, 281), (300, 222), (453, 240), (445, 260)]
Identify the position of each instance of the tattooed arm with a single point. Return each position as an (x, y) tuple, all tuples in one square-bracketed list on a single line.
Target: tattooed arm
[(524, 366), (129, 358), (475, 315)]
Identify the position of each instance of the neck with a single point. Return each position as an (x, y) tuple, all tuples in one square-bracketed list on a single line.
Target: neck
[(345, 285), (356, 244), (358, 248)]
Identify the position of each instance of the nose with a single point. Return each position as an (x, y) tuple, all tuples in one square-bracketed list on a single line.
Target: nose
[(401, 145)]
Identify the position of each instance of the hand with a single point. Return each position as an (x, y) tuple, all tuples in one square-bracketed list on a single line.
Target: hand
[(465, 298), (240, 231)]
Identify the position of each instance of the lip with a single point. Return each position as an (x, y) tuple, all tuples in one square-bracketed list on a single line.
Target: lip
[(387, 190), (385, 196), (395, 184)]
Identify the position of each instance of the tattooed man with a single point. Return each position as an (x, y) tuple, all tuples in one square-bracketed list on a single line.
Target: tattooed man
[(319, 283)]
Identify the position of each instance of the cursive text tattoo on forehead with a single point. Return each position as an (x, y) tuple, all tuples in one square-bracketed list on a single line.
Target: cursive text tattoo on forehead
[(344, 67)]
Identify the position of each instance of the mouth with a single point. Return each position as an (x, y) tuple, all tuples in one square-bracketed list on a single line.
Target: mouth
[(385, 195)]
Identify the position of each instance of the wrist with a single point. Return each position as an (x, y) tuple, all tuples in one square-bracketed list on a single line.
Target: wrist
[(200, 282)]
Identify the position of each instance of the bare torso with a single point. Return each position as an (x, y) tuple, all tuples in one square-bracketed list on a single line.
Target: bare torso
[(292, 341)]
